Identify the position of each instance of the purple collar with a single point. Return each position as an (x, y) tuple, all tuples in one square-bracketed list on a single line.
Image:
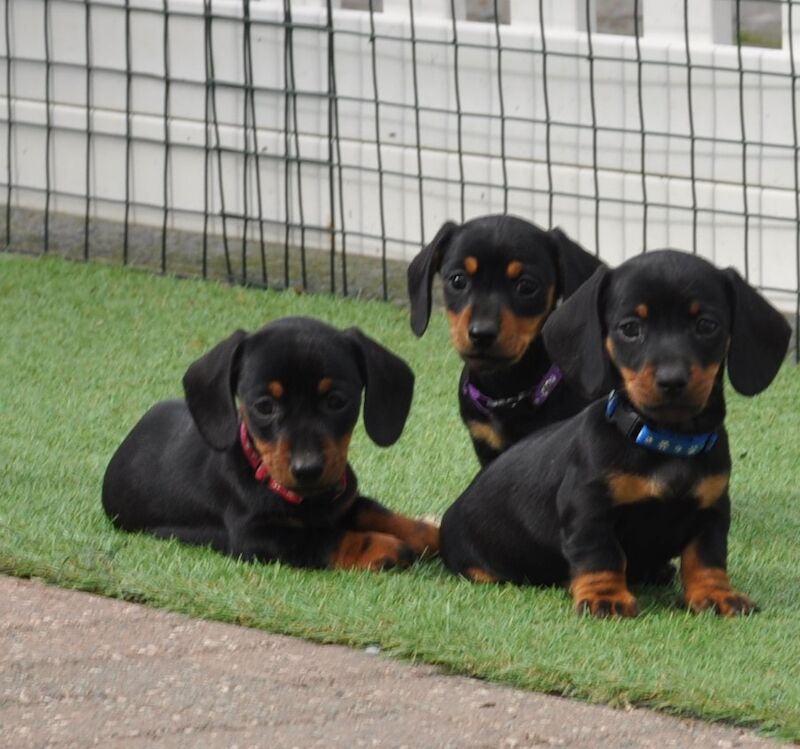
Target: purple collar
[(536, 395)]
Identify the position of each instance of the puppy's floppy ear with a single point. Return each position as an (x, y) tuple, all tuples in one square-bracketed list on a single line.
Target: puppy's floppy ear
[(389, 384), (759, 337), (575, 265), (420, 276), (209, 386), (573, 337)]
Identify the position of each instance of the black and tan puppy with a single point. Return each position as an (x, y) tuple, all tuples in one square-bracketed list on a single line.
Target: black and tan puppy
[(254, 461), (502, 277), (639, 477)]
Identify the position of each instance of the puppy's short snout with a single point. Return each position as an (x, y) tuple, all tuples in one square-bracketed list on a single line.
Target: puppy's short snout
[(672, 378), (307, 467), (483, 333)]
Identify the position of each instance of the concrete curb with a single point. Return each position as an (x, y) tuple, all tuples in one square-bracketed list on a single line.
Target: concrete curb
[(80, 670)]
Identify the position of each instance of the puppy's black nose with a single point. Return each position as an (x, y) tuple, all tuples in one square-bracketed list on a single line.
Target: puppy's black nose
[(307, 467), (672, 378), (482, 333)]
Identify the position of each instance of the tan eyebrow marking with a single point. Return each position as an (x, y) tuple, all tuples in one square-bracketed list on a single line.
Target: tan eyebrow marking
[(325, 384), (471, 265), (694, 309), (642, 310), (275, 389), (514, 269)]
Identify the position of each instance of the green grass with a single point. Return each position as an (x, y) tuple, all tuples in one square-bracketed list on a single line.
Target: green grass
[(85, 349)]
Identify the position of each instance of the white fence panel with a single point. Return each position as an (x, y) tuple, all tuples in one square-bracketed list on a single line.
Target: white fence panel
[(576, 137)]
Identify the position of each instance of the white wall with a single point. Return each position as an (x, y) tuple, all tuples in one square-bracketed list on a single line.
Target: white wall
[(719, 156)]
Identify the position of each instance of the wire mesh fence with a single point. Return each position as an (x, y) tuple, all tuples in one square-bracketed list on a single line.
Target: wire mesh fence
[(320, 143)]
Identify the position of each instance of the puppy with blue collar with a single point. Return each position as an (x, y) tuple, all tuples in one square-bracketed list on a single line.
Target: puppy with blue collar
[(640, 477)]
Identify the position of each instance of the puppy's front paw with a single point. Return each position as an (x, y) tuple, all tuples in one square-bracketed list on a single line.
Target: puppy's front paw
[(603, 594), (372, 551), (421, 536), (709, 588), (724, 601)]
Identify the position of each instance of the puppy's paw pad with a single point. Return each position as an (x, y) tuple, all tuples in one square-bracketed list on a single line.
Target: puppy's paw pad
[(622, 605), (404, 556), (399, 556), (723, 602), (373, 551)]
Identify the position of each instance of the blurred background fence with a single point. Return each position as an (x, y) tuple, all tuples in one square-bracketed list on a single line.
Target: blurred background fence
[(321, 143)]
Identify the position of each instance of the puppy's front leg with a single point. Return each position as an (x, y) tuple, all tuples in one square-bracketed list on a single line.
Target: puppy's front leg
[(703, 568), (596, 560), (325, 548), (420, 536)]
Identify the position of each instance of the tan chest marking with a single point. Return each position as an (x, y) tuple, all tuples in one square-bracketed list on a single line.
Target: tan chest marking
[(486, 433), (628, 488), (708, 490)]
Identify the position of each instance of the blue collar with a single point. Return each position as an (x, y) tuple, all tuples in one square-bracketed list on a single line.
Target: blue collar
[(657, 440)]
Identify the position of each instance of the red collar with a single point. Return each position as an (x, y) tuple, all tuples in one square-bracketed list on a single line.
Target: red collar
[(254, 459)]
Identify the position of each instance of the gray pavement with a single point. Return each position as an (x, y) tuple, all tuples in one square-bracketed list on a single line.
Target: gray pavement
[(79, 670)]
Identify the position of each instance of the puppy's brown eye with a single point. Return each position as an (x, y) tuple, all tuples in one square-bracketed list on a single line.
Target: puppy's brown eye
[(265, 407), (630, 329), (527, 287), (458, 281), (706, 326), (336, 402)]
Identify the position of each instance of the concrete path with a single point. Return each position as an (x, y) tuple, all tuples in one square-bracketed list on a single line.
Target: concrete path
[(78, 670)]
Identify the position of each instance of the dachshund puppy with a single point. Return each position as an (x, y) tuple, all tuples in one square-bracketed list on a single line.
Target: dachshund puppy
[(640, 476), (502, 278), (254, 462)]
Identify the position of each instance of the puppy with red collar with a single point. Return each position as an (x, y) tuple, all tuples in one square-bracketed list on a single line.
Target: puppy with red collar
[(610, 496), (254, 462), (502, 277)]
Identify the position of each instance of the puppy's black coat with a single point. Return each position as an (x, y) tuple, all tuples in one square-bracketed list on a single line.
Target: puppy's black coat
[(502, 277), (254, 461), (611, 495)]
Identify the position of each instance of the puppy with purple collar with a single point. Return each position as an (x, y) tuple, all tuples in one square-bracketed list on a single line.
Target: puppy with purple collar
[(502, 278)]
